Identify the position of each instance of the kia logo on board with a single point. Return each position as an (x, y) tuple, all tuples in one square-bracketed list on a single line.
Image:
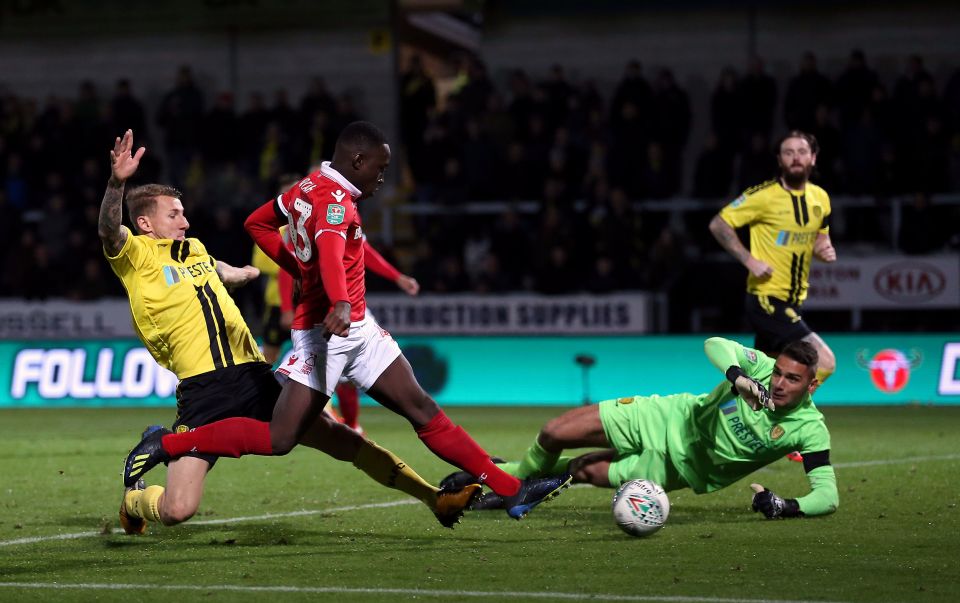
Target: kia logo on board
[(909, 282)]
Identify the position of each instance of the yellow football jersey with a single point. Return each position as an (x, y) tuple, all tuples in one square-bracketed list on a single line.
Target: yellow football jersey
[(181, 310), (783, 229)]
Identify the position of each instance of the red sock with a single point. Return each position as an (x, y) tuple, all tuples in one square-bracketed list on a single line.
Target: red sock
[(454, 445), (348, 401), (234, 437)]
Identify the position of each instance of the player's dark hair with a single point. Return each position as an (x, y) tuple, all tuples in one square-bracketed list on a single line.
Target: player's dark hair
[(361, 136), (142, 200), (810, 138), (803, 352)]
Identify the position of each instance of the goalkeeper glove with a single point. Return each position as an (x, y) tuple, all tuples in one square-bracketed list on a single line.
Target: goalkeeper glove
[(748, 388), (773, 506)]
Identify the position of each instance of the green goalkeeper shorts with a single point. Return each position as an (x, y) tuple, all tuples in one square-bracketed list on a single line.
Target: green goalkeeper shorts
[(637, 428)]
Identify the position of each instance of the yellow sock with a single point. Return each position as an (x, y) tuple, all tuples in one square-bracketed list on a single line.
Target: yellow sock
[(387, 469), (144, 503)]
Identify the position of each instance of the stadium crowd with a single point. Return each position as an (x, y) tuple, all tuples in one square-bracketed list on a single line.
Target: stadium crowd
[(590, 162)]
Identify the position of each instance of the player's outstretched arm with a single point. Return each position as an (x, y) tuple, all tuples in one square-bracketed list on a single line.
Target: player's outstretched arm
[(236, 277), (730, 357), (823, 498), (263, 226), (123, 164), (378, 264)]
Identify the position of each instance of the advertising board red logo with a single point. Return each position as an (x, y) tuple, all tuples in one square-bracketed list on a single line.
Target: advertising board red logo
[(890, 369)]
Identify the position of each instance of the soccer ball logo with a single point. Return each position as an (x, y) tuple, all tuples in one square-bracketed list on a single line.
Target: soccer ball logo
[(640, 507)]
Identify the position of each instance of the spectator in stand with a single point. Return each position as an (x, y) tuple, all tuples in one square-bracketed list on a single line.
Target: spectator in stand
[(714, 171), (828, 138), (759, 93), (180, 117), (252, 127), (317, 100), (522, 104), (805, 92), (726, 112), (220, 139), (633, 89), (854, 89), (127, 111), (557, 94), (757, 164), (671, 125), (862, 145)]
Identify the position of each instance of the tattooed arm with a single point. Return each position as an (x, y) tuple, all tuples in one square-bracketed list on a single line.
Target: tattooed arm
[(727, 237), (122, 165)]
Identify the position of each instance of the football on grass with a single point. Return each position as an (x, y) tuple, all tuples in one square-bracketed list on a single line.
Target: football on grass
[(640, 507)]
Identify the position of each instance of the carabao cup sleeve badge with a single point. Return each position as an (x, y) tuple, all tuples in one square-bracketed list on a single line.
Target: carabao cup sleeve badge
[(334, 214)]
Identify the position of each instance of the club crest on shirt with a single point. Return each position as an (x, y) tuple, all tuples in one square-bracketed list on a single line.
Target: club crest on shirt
[(776, 432), (183, 428), (625, 401), (817, 211), (335, 214), (338, 195)]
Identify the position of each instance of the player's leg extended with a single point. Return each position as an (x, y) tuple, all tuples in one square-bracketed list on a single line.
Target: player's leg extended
[(398, 390), (828, 361), (577, 428), (294, 412), (348, 401), (386, 468), (174, 504)]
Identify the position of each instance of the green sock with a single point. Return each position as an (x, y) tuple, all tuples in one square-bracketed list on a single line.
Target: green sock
[(513, 467), (536, 461)]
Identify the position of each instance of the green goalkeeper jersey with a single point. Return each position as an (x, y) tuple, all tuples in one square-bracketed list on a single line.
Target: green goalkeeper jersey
[(719, 439)]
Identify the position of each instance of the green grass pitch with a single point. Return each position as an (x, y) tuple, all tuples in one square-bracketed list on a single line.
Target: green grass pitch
[(896, 536)]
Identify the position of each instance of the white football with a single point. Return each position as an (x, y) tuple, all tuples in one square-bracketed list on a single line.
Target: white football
[(640, 507)]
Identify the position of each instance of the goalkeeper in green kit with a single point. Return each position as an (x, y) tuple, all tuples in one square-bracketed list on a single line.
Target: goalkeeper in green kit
[(704, 442)]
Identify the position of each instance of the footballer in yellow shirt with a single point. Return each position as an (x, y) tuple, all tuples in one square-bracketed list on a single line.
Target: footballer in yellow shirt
[(789, 221), (183, 314)]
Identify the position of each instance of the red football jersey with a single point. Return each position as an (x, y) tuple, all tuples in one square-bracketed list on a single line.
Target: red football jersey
[(324, 223)]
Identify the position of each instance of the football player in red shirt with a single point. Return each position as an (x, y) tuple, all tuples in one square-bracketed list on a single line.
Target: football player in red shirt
[(332, 336), (348, 398)]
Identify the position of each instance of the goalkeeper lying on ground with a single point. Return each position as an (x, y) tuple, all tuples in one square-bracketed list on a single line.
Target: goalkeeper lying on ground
[(704, 442)]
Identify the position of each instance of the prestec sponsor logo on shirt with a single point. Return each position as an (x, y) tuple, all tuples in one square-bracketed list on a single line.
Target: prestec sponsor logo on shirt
[(743, 433), (174, 274)]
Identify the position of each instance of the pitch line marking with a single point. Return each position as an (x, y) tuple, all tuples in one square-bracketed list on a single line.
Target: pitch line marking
[(397, 503), (214, 522), (392, 591), (909, 459)]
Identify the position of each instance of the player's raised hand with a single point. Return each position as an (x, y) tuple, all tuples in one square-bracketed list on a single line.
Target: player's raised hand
[(759, 268), (766, 502), (753, 393), (123, 164)]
